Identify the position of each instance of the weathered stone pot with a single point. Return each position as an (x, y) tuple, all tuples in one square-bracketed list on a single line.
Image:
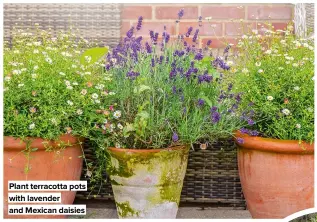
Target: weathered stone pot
[(147, 183), (277, 176), (63, 164)]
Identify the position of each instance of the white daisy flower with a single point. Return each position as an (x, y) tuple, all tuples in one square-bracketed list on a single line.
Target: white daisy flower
[(88, 59), (269, 98), (83, 91), (35, 67), (117, 114), (79, 111), (49, 60), (268, 52), (7, 78), (260, 71), (16, 72), (75, 83), (229, 63), (70, 102), (31, 126), (258, 64), (286, 112), (100, 86), (97, 101), (62, 74), (34, 76), (120, 126), (295, 64), (296, 88), (69, 87), (298, 126), (94, 96), (67, 83), (20, 85), (310, 109), (245, 70), (112, 93), (54, 121)]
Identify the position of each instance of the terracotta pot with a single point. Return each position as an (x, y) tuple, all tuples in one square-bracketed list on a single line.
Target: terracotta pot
[(147, 183), (277, 176), (59, 165)]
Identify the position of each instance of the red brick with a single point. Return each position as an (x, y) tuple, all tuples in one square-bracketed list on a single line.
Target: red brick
[(125, 26), (237, 28), (133, 12), (205, 30), (223, 12), (156, 27), (219, 43), (269, 12), (168, 12)]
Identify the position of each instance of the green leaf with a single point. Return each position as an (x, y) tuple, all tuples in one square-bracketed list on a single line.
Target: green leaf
[(141, 88), (92, 55), (34, 149), (206, 99), (143, 115)]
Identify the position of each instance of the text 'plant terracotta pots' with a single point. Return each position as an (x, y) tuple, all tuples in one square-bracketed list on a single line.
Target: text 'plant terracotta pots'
[(147, 183), (277, 176), (62, 163)]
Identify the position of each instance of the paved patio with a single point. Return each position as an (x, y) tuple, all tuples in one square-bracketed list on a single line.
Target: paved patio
[(107, 210)]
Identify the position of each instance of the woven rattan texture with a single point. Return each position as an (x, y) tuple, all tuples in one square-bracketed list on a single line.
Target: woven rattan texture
[(310, 12), (100, 22), (211, 177)]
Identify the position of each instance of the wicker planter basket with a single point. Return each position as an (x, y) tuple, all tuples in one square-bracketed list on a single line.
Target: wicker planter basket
[(211, 178)]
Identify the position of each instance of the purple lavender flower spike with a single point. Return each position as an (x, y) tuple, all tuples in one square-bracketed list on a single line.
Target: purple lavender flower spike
[(244, 130), (130, 32), (174, 90), (199, 56), (213, 109), (180, 13), (240, 140), (200, 102), (253, 133), (250, 122), (175, 137), (148, 48), (190, 29), (132, 75), (139, 25), (209, 42), (195, 35), (215, 117), (152, 62), (230, 86)]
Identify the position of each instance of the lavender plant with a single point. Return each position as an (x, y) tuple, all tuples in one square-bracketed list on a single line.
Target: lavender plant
[(275, 70), (168, 93)]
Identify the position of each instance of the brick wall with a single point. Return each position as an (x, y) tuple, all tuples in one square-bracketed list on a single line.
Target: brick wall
[(224, 26)]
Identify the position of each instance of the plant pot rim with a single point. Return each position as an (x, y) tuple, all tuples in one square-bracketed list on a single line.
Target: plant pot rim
[(14, 143), (177, 147), (273, 145)]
